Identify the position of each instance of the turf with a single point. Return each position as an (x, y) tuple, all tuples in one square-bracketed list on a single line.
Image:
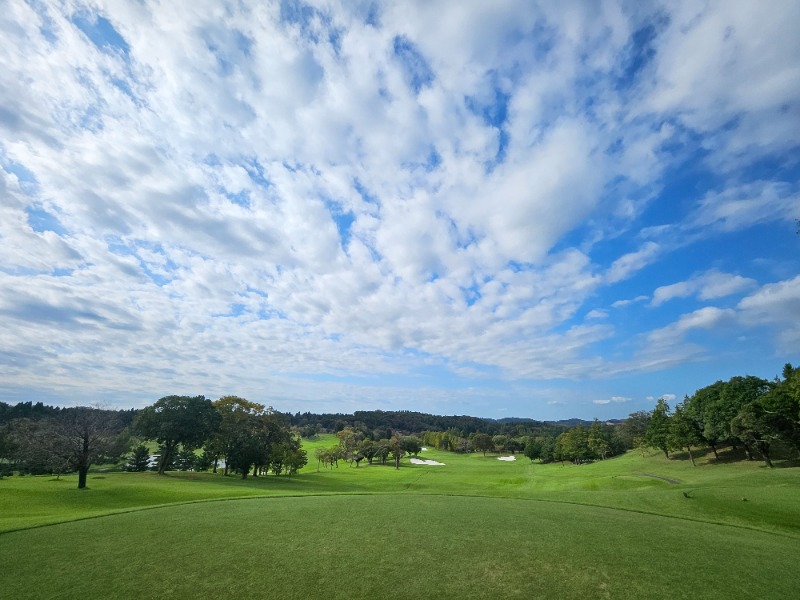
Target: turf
[(477, 527), (394, 546)]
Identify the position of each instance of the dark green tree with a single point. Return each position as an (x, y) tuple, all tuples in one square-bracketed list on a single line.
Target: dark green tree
[(482, 442), (185, 459), (782, 403), (737, 393), (684, 431), (634, 428), (412, 444), (657, 434), (139, 460), (175, 420), (705, 407), (599, 439), (756, 428), (533, 449), (397, 450)]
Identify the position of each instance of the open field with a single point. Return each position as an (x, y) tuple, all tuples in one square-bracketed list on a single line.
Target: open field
[(476, 527)]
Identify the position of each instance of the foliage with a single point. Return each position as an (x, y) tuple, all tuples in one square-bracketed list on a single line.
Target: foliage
[(175, 420), (139, 459), (657, 434)]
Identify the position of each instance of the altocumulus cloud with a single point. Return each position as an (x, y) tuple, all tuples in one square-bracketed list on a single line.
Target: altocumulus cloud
[(337, 206)]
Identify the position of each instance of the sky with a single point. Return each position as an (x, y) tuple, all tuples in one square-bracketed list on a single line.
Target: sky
[(499, 209)]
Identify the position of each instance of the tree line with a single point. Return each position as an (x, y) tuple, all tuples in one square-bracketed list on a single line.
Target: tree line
[(744, 412), (247, 437)]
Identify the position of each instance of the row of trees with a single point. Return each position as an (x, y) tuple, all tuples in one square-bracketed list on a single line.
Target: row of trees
[(747, 412), (354, 446), (248, 437)]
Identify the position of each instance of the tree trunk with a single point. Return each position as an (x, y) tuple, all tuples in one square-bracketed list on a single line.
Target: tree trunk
[(714, 450), (748, 452), (689, 450), (166, 457), (82, 472), (83, 466), (764, 447)]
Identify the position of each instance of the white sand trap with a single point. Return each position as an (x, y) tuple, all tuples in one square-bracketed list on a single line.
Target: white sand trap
[(507, 458), (432, 463)]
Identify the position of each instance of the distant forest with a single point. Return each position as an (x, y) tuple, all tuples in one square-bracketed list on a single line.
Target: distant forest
[(746, 417)]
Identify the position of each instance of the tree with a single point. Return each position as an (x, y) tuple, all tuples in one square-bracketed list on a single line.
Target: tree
[(396, 447), (533, 449), (412, 444), (139, 460), (782, 402), (756, 427), (599, 439), (368, 449), (704, 407), (235, 423), (349, 439), (575, 445), (635, 426), (737, 393), (683, 431), (186, 459), (481, 442), (658, 427), (500, 442), (175, 420), (80, 436)]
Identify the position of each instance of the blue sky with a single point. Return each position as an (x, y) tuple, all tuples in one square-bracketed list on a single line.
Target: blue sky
[(495, 209)]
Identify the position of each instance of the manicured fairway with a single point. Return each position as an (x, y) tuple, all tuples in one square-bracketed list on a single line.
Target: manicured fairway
[(390, 546), (474, 528)]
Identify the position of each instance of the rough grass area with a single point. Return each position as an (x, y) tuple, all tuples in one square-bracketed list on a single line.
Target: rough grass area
[(476, 527)]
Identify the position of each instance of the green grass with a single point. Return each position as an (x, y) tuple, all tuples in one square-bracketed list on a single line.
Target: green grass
[(476, 527)]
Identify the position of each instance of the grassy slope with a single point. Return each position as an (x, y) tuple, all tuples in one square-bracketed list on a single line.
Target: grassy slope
[(411, 532), (716, 491)]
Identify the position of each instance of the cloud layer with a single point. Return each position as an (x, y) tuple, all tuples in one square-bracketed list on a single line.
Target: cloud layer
[(341, 204)]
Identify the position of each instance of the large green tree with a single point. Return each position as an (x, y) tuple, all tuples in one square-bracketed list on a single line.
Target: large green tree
[(756, 427), (236, 428), (175, 420), (657, 434), (482, 442), (600, 439), (705, 407), (782, 403), (735, 395), (684, 431)]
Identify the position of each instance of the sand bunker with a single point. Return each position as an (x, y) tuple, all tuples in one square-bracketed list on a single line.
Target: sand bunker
[(419, 461), (506, 458)]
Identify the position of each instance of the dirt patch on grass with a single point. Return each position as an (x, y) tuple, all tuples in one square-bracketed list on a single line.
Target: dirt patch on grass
[(667, 479)]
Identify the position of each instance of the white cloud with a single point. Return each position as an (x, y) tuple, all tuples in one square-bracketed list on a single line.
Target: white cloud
[(706, 286), (626, 265), (234, 199)]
